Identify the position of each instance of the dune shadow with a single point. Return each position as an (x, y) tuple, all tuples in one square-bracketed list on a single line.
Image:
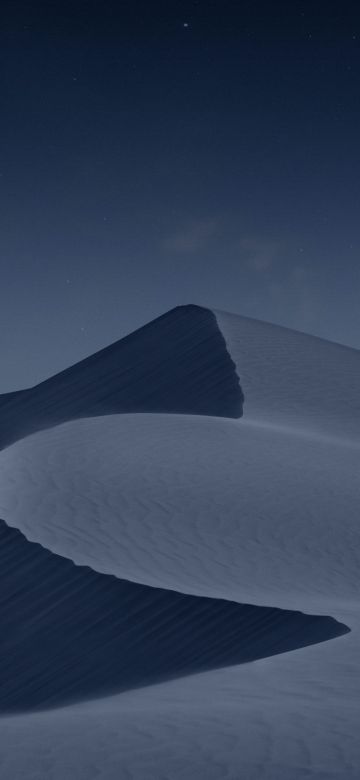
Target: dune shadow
[(69, 633), (177, 364)]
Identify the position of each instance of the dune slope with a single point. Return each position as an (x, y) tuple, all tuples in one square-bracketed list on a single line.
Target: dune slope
[(203, 506), (293, 379), (177, 363), (69, 633)]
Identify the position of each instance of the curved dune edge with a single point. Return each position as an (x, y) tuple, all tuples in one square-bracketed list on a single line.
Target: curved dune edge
[(69, 633), (201, 506)]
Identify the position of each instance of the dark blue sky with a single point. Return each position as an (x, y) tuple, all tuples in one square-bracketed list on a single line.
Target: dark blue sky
[(157, 153)]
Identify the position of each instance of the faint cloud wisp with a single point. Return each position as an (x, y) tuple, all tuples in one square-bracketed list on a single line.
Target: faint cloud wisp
[(258, 254), (192, 237)]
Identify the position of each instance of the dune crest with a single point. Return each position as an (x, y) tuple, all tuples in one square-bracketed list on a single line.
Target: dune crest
[(177, 363)]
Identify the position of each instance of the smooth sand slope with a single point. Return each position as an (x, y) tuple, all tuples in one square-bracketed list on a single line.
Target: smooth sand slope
[(139, 549), (195, 504), (293, 379)]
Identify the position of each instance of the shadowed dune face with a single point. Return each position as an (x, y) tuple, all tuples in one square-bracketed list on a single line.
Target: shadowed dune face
[(69, 633), (177, 363)]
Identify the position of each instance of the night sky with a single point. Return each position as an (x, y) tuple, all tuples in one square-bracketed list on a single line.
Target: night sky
[(158, 153)]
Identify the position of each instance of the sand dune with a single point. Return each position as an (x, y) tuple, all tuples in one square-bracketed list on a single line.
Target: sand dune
[(144, 548), (177, 363)]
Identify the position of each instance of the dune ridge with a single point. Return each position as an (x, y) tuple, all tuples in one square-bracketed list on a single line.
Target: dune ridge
[(178, 363)]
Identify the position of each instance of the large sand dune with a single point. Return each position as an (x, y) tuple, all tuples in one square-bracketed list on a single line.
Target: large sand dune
[(145, 538)]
